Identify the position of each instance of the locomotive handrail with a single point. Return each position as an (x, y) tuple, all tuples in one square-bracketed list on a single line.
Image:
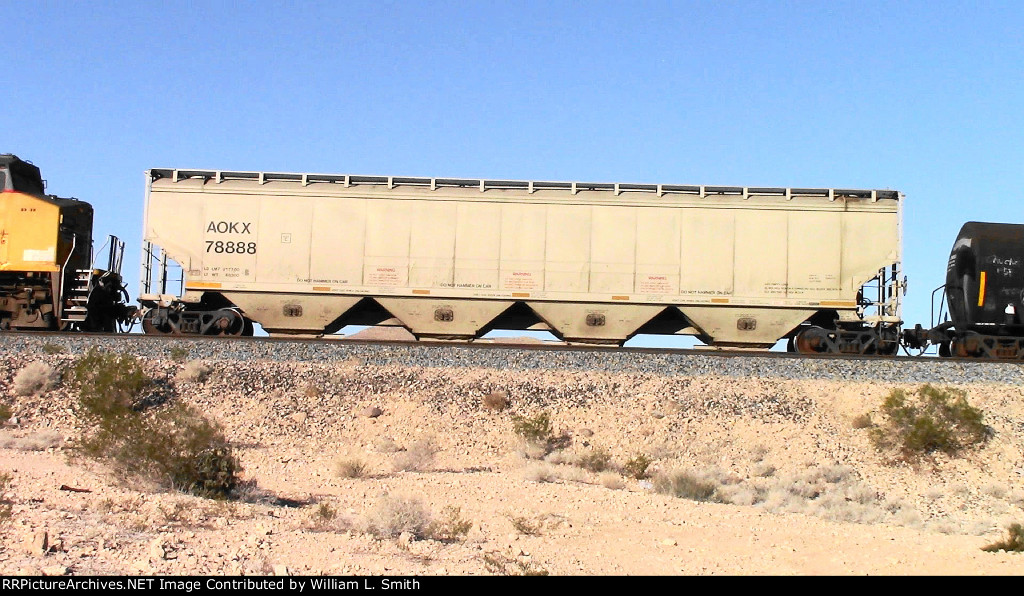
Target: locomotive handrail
[(942, 304), (63, 278), (531, 186)]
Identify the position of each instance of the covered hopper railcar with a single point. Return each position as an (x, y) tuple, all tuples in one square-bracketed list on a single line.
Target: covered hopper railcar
[(456, 258)]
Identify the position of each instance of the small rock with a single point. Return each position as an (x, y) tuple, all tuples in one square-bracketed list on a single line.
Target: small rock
[(405, 538), (299, 417), (38, 543), (586, 432), (158, 549), (372, 412), (55, 570), (281, 570), (669, 542)]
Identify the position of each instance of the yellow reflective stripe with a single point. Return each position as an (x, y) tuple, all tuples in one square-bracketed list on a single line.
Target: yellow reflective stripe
[(981, 290)]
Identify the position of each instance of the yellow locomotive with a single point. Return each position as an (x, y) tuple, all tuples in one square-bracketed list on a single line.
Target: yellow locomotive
[(47, 277)]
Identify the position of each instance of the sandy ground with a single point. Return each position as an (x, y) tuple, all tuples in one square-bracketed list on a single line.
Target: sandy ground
[(801, 489)]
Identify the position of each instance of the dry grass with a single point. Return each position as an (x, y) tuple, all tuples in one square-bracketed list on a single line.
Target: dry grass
[(392, 516), (763, 469), (34, 379), (351, 468), (612, 481), (385, 444), (451, 526), (861, 422), (496, 401), (539, 472), (417, 458), (686, 485), (194, 371), (40, 441)]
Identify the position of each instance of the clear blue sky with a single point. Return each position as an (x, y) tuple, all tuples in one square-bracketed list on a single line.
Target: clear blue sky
[(923, 97)]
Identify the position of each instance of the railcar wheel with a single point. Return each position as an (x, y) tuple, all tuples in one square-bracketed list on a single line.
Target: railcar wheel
[(227, 322), (151, 327), (813, 340), (959, 347)]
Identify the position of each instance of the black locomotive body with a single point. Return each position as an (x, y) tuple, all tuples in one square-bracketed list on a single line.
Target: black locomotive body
[(984, 292)]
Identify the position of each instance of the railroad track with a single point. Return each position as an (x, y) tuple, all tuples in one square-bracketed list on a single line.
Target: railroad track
[(490, 345)]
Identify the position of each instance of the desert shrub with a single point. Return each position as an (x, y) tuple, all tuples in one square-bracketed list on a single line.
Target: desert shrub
[(637, 466), (862, 421), (418, 457), (686, 486), (495, 401), (172, 445), (451, 527), (323, 517), (595, 460), (928, 420), (178, 353), (5, 413), (539, 472), (384, 444), (1014, 541), (535, 429), (995, 489), (325, 512), (53, 349), (837, 473), (499, 564), (391, 516), (527, 526), (612, 481), (351, 468), (195, 371), (6, 507), (109, 385), (36, 377)]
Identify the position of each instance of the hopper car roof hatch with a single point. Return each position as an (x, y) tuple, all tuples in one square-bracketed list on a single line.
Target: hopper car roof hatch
[(530, 186)]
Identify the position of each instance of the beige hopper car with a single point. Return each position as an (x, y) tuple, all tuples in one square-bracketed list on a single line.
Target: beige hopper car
[(455, 258)]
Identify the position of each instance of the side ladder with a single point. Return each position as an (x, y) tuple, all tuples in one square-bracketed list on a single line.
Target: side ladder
[(78, 297)]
